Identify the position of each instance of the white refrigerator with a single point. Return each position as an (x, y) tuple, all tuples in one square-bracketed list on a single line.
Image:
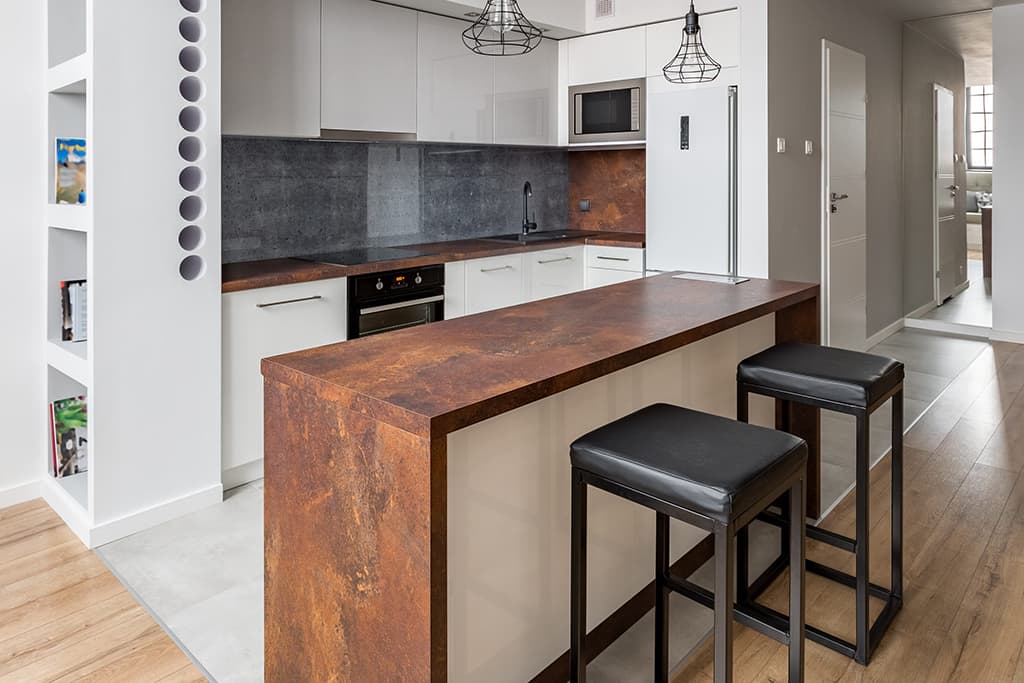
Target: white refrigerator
[(692, 193)]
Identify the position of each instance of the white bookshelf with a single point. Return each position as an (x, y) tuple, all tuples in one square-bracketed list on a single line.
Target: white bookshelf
[(150, 368)]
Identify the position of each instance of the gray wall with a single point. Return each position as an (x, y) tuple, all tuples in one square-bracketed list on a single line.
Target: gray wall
[(926, 63), (285, 197), (795, 31)]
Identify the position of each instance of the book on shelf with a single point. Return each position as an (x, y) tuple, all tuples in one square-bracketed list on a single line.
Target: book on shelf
[(71, 171), (69, 436), (74, 310)]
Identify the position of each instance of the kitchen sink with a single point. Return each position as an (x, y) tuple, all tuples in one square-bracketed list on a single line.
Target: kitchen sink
[(544, 236)]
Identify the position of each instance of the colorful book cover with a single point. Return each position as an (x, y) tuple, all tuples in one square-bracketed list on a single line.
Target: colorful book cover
[(69, 424), (71, 171)]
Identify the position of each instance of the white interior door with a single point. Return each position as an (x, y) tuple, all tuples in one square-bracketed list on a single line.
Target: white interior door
[(945, 195), (844, 239)]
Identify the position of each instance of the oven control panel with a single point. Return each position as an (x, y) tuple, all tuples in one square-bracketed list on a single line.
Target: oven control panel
[(397, 282)]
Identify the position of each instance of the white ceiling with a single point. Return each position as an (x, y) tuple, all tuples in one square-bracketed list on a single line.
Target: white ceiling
[(559, 18)]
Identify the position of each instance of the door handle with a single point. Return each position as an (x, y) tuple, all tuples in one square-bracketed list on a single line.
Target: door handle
[(835, 199)]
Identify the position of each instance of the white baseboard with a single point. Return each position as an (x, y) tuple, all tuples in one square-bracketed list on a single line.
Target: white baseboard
[(158, 514), (918, 312), (885, 333), (94, 535), (960, 288), (19, 494), (943, 327), (242, 475), (1007, 336)]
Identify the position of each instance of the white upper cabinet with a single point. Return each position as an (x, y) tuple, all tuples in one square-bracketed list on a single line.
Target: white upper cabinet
[(271, 67), (526, 97), (369, 67), (720, 32), (456, 86), (612, 56)]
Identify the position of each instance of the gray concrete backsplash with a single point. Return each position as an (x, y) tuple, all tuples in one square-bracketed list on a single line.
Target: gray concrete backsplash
[(286, 197)]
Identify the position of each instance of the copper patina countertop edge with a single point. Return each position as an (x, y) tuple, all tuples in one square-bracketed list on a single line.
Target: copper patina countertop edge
[(244, 276), (440, 414)]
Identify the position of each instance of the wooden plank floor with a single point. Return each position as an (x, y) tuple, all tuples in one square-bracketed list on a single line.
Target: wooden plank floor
[(65, 617), (963, 542)]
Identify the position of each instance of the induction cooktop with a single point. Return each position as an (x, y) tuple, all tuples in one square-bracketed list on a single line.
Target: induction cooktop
[(357, 257)]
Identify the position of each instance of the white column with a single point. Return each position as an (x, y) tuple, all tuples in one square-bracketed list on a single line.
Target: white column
[(22, 253), (1008, 175)]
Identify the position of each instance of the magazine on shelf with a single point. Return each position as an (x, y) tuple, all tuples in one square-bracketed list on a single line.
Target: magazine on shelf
[(71, 171), (69, 434), (74, 310)]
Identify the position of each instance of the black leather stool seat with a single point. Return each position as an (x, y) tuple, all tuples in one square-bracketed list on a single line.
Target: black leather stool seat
[(828, 374), (705, 463)]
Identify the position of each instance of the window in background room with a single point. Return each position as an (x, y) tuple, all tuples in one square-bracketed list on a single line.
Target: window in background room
[(979, 126)]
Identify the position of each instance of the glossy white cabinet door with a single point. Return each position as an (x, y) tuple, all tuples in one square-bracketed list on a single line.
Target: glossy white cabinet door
[(368, 77), (612, 56), (493, 283), (455, 86), (271, 67), (615, 258), (599, 277), (720, 31), (454, 290), (526, 97), (554, 272), (255, 328)]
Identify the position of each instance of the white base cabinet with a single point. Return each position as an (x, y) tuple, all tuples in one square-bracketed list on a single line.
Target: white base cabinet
[(267, 322), (612, 265), (555, 272), (496, 282)]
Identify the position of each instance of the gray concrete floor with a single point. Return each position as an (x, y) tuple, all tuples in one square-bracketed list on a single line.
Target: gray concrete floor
[(973, 306), (202, 575)]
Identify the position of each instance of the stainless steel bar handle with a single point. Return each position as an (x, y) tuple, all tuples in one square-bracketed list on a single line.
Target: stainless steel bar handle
[(290, 301), (556, 260), (613, 258), (495, 270), (403, 304)]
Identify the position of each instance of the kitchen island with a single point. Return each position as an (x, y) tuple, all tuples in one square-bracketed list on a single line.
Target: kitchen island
[(417, 483)]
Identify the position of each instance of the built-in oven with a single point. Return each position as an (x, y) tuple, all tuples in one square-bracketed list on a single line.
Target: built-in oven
[(608, 112), (395, 300)]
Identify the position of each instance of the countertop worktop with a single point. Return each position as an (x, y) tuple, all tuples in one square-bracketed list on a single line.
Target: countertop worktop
[(239, 277), (448, 375), (398, 465)]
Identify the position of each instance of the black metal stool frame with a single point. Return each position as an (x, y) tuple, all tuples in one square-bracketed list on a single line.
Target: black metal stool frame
[(722, 600), (868, 635)]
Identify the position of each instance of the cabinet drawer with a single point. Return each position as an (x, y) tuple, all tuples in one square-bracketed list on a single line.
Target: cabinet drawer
[(266, 322), (555, 272), (616, 258), (493, 283), (600, 277)]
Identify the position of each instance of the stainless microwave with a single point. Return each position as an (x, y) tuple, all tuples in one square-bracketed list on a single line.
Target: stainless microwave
[(608, 112)]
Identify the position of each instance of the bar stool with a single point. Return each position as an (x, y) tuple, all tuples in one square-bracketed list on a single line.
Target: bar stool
[(846, 382), (708, 471)]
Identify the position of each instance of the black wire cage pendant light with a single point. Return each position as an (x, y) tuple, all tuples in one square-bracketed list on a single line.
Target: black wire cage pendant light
[(502, 30), (692, 64)]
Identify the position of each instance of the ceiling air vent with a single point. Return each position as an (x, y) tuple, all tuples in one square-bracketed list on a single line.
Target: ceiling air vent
[(604, 9)]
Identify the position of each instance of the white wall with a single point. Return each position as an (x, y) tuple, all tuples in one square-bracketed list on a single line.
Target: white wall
[(22, 188), (1008, 175)]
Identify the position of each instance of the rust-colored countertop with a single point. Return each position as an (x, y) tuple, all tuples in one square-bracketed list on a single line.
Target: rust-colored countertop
[(434, 380), (239, 277)]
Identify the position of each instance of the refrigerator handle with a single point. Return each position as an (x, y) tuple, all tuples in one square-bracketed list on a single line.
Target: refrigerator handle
[(734, 206)]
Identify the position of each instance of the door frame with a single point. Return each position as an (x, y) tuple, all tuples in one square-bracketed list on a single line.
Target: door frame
[(936, 236), (826, 189)]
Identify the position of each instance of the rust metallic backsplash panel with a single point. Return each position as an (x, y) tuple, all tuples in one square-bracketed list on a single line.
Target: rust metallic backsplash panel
[(615, 182)]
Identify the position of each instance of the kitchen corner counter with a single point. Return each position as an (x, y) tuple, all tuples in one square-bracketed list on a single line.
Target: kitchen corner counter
[(238, 277), (393, 463)]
